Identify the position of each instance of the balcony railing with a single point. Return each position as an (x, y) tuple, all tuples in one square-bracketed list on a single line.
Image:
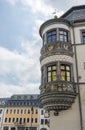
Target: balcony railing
[(58, 47)]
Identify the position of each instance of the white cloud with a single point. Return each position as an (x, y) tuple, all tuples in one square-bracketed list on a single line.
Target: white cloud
[(10, 89), (24, 68), (12, 2)]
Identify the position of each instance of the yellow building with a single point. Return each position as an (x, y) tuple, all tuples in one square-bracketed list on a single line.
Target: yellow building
[(21, 113)]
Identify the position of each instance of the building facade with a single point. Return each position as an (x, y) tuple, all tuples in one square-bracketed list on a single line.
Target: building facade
[(62, 89), (22, 112)]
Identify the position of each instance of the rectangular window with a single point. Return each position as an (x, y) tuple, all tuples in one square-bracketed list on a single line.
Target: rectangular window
[(51, 36), (18, 111), (35, 120), (42, 121), (28, 111), (32, 120), (5, 119), (41, 112), (51, 73), (24, 120), (0, 111), (84, 65), (9, 119), (27, 120), (83, 36), (6, 128), (7, 111), (13, 120), (65, 72), (63, 35), (14, 111)]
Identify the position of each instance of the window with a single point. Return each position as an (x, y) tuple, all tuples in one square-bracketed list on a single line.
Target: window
[(63, 35), (51, 73), (21, 111), (18, 111), (6, 128), (32, 120), (83, 36), (84, 65), (65, 72), (20, 121), (7, 111), (13, 120), (14, 111), (51, 36), (10, 111), (35, 120), (5, 119), (9, 119), (27, 119), (36, 112), (41, 112), (0, 111), (24, 120), (25, 111), (46, 121), (42, 121), (17, 119), (28, 111)]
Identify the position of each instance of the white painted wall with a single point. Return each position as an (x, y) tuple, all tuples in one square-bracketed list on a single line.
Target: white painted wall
[(66, 120)]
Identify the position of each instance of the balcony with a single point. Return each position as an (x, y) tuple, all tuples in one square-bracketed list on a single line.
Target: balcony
[(56, 48), (57, 95)]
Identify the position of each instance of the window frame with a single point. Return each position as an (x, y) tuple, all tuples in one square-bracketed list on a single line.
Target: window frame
[(66, 72), (51, 73), (82, 40), (64, 36), (52, 36)]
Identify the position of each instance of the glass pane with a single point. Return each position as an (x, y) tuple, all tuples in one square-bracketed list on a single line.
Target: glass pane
[(63, 73), (68, 79), (68, 74), (67, 67), (54, 78), (53, 32), (49, 79), (61, 32), (54, 67), (54, 73), (49, 73), (62, 67), (49, 68), (83, 33), (63, 77)]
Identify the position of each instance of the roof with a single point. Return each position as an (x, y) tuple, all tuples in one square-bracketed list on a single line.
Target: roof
[(72, 9)]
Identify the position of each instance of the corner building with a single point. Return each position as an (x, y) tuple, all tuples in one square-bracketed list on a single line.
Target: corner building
[(62, 89)]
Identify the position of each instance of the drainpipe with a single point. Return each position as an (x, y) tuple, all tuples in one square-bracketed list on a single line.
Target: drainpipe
[(77, 74)]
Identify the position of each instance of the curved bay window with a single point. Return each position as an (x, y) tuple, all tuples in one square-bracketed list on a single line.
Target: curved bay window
[(65, 72), (51, 73), (51, 36)]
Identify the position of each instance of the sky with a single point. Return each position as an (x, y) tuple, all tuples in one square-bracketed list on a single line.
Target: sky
[(20, 42)]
